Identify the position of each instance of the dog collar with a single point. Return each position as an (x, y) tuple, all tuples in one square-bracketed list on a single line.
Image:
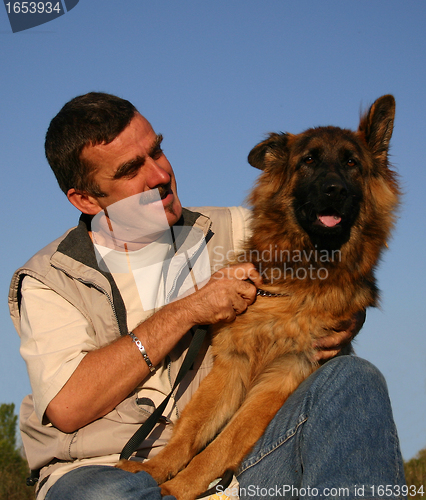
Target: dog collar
[(264, 293)]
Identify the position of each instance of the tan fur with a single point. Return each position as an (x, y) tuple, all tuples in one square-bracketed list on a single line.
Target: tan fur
[(262, 357)]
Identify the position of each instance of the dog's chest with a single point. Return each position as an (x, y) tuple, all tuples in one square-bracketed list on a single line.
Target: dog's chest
[(267, 330)]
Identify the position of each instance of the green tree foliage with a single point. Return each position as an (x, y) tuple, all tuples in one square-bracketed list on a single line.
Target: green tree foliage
[(13, 467), (415, 473)]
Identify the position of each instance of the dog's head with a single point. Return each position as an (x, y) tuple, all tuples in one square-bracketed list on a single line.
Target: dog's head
[(329, 181)]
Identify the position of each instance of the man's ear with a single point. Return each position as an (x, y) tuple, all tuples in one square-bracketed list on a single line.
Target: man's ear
[(84, 202)]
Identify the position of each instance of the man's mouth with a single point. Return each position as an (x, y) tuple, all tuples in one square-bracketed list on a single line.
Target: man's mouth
[(165, 191)]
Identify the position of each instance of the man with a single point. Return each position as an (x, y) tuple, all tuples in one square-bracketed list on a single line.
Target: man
[(84, 323)]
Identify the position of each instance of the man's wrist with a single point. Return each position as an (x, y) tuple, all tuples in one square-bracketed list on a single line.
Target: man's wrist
[(142, 350)]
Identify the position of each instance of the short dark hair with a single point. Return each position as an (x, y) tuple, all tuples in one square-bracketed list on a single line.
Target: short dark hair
[(90, 119)]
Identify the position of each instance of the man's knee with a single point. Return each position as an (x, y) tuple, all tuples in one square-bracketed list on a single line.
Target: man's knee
[(350, 391), (344, 372)]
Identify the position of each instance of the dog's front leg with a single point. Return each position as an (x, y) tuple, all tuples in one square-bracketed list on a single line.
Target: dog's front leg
[(226, 451), (213, 404), (246, 427)]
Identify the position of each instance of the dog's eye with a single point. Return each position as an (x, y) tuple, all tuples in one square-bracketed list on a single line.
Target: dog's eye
[(351, 162), (309, 160)]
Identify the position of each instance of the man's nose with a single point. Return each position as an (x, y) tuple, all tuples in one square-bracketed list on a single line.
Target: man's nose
[(157, 175)]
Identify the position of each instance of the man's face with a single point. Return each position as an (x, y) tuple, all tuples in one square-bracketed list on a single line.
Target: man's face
[(134, 163)]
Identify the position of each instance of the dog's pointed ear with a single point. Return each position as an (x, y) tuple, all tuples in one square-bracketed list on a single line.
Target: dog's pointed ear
[(377, 125), (268, 150)]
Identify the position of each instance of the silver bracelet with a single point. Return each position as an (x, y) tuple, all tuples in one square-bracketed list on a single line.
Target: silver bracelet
[(143, 352)]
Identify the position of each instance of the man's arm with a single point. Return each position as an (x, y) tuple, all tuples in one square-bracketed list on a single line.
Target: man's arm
[(106, 376)]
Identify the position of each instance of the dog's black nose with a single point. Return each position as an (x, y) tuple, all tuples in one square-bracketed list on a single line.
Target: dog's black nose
[(334, 187)]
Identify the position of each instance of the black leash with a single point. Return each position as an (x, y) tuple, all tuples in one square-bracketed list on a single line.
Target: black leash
[(138, 437)]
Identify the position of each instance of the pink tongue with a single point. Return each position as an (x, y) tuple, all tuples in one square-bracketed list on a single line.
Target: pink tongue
[(329, 220)]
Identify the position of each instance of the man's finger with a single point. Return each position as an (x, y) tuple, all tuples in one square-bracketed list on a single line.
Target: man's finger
[(325, 355), (243, 272), (246, 291), (334, 341)]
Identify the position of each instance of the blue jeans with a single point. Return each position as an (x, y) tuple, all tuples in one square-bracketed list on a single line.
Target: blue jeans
[(333, 438)]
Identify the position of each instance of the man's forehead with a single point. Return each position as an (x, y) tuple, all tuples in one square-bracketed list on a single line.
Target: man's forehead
[(142, 121), (138, 136)]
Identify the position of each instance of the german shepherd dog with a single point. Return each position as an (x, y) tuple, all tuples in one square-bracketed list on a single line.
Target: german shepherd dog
[(323, 208)]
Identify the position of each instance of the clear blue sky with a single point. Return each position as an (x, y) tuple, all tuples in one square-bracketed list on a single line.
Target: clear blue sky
[(213, 77)]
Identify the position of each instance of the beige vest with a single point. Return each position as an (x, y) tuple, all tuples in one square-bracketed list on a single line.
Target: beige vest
[(68, 266)]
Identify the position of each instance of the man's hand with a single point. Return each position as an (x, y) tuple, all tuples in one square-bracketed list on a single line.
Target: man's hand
[(226, 295), (330, 346)]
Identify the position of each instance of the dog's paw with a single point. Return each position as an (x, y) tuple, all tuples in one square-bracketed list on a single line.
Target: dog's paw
[(130, 465), (155, 468), (152, 467), (178, 489), (185, 485)]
